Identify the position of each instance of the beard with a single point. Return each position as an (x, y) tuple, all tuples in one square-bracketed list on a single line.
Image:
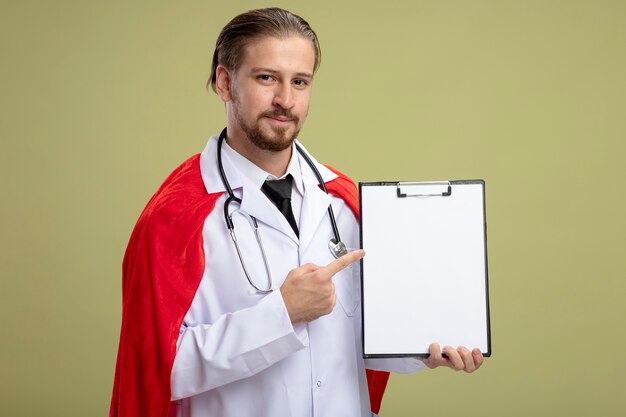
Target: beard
[(277, 139)]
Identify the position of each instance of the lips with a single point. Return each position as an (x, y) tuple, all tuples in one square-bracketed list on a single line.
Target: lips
[(280, 119)]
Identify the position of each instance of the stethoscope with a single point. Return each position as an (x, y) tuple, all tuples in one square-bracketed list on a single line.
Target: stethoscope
[(335, 245)]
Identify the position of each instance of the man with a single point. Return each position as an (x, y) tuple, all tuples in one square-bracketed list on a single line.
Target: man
[(218, 323)]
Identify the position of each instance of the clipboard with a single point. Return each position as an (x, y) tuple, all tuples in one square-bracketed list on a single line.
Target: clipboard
[(424, 276)]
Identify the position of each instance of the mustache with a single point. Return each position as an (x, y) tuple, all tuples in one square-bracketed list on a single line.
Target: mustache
[(279, 112)]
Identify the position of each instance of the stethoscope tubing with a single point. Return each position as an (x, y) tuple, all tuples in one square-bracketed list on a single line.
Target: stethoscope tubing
[(231, 195), (335, 245)]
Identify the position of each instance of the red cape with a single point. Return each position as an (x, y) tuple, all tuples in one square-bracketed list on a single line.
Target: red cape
[(161, 272)]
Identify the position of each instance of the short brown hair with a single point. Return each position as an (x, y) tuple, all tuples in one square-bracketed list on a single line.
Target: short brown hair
[(255, 24)]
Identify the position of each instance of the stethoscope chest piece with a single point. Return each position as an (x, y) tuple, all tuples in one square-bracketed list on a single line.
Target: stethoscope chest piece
[(338, 249)]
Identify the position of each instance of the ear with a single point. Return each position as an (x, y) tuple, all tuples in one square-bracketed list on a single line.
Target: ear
[(223, 82)]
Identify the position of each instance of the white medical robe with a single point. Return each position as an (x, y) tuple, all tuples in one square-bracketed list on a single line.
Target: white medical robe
[(238, 353)]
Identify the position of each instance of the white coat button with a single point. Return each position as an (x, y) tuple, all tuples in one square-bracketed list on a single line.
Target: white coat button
[(319, 383)]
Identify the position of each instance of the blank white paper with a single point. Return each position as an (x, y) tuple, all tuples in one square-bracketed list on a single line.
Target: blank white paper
[(424, 274)]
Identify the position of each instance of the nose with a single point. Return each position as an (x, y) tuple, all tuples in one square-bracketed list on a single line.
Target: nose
[(283, 96)]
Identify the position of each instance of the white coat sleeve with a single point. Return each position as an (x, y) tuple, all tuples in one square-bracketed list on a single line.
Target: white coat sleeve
[(396, 365), (237, 345)]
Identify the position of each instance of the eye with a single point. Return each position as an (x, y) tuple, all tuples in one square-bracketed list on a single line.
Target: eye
[(265, 78), (300, 83)]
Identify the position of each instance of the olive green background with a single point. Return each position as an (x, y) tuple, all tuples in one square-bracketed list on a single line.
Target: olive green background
[(101, 100)]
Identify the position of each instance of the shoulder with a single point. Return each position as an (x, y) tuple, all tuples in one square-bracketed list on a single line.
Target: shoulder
[(181, 189), (345, 188), (182, 198), (342, 184)]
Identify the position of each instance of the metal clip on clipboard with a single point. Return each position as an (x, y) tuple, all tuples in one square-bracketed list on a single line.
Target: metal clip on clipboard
[(424, 189)]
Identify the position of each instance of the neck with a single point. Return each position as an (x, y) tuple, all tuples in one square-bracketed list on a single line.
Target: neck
[(272, 162)]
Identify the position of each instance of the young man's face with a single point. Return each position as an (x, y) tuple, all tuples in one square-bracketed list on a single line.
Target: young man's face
[(269, 93)]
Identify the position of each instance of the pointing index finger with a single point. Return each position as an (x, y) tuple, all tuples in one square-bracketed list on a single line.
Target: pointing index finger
[(345, 260)]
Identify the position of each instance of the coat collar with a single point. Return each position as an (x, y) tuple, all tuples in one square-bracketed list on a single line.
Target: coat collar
[(246, 180), (238, 167)]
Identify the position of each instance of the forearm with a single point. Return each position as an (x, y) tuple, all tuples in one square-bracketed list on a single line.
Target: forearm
[(235, 346)]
